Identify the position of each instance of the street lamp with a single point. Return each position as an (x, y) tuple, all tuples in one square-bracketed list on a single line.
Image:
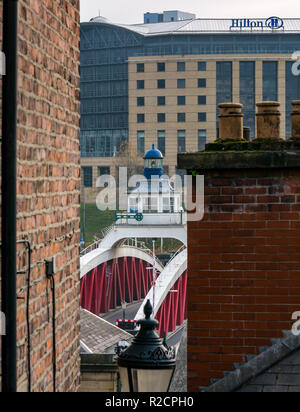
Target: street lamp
[(147, 365)]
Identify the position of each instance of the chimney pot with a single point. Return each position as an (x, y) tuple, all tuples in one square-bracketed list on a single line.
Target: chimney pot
[(296, 119), (268, 120), (231, 121)]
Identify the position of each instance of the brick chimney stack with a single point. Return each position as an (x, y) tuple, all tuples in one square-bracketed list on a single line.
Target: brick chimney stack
[(268, 120), (231, 121), (296, 119), (243, 256)]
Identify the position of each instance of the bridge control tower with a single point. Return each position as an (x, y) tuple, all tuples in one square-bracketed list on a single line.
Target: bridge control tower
[(154, 201)]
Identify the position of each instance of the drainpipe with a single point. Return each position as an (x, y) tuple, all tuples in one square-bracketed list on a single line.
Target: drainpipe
[(9, 212)]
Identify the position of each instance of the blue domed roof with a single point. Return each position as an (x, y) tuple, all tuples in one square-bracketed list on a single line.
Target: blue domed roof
[(153, 154)]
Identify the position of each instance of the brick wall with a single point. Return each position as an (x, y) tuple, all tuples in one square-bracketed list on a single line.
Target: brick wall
[(244, 266), (48, 186)]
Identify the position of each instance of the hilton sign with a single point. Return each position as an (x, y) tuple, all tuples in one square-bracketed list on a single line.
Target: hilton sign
[(272, 23)]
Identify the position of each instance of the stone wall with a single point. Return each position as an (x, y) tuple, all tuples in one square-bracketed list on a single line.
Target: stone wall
[(99, 373)]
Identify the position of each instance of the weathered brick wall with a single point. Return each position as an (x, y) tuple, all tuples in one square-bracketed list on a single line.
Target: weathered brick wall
[(48, 186), (244, 267)]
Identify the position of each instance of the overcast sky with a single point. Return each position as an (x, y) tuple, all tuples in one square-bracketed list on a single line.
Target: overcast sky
[(131, 11)]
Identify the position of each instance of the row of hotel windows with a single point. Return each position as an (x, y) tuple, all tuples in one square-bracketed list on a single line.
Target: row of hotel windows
[(161, 101), (161, 144), (161, 140), (87, 173), (161, 84), (181, 117), (161, 67)]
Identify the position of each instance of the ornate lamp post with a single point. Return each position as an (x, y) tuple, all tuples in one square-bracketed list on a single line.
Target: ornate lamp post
[(147, 365)]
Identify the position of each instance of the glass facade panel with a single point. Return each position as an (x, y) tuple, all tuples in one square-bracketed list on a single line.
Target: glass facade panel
[(161, 101), (140, 118), (140, 101), (181, 83), (161, 141), (201, 83), (140, 84), (181, 117), (270, 81), (102, 143), (87, 176), (181, 141), (247, 94), (161, 117), (292, 93), (141, 142), (202, 139), (201, 66), (140, 68), (103, 170), (201, 100), (181, 66), (223, 84), (202, 117), (181, 100), (161, 67), (161, 84)]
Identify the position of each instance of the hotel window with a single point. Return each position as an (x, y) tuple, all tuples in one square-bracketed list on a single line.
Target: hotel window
[(181, 66), (140, 101), (201, 139), (161, 67), (292, 93), (141, 142), (87, 176), (223, 84), (247, 94), (140, 84), (161, 117), (181, 100), (161, 141), (202, 100), (180, 117), (202, 117), (161, 84), (103, 170), (201, 83), (201, 66), (140, 68), (270, 81), (141, 118), (181, 141), (161, 101), (181, 83)]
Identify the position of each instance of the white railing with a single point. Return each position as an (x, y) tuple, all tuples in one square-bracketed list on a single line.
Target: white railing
[(131, 242), (97, 241), (142, 246), (90, 248), (181, 249)]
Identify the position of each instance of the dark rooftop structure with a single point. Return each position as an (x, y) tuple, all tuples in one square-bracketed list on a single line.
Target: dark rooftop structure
[(99, 336)]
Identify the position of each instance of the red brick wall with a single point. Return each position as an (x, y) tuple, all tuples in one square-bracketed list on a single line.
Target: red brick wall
[(244, 268), (48, 186)]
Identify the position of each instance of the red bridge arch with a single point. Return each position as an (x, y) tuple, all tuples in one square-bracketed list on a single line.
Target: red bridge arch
[(105, 286)]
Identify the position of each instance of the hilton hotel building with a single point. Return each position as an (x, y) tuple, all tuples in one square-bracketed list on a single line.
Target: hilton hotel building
[(161, 82)]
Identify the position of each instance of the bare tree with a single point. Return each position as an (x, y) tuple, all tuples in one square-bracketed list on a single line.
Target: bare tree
[(128, 156)]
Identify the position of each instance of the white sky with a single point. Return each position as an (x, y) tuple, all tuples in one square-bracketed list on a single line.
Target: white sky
[(132, 11)]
